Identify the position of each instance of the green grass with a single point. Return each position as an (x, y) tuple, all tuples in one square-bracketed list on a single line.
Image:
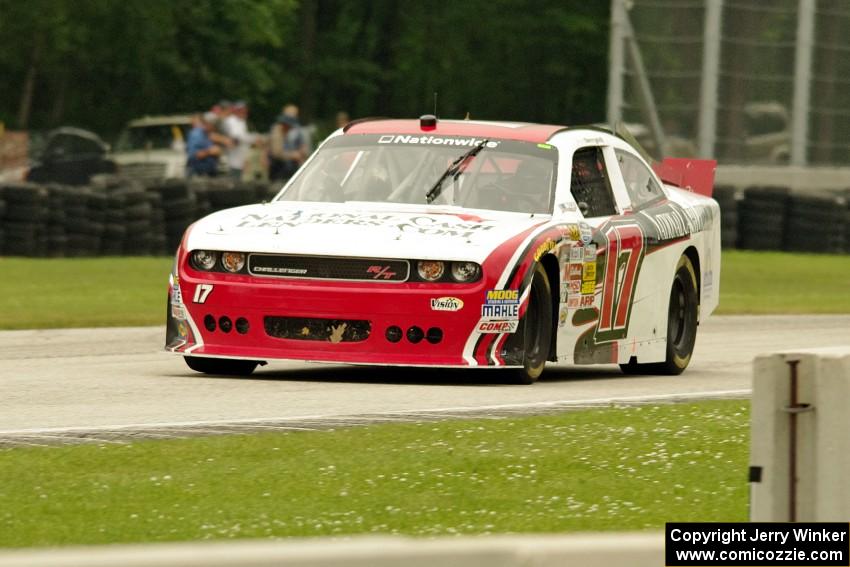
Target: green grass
[(778, 282), (82, 292), (614, 469), (108, 292)]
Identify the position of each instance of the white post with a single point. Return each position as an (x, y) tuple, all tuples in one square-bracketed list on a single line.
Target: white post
[(616, 62), (802, 81), (710, 78), (800, 442)]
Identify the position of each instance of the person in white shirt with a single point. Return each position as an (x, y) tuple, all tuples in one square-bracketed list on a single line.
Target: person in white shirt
[(235, 127)]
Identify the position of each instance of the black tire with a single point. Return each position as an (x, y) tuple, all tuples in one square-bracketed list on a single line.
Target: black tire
[(682, 315), (221, 366), (537, 326)]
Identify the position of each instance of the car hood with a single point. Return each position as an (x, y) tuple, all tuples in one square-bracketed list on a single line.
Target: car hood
[(360, 230)]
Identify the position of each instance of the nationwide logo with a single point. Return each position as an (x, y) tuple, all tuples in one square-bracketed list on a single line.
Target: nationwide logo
[(434, 141), (380, 272), (446, 304)]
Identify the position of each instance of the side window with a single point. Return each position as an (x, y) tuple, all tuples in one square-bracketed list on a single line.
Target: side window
[(641, 185), (590, 185)]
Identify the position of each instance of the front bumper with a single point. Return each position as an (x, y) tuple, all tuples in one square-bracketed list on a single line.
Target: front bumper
[(384, 305)]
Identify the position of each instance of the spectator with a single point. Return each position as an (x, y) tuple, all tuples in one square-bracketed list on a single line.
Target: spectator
[(288, 147), (257, 163), (235, 128), (202, 153), (305, 132), (342, 119)]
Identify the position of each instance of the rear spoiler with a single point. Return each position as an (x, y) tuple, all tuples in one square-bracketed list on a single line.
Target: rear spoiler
[(696, 175)]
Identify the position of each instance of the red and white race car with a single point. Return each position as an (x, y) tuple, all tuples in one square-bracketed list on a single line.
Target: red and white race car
[(456, 244)]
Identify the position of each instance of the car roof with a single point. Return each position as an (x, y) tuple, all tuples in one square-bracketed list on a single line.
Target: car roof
[(521, 131)]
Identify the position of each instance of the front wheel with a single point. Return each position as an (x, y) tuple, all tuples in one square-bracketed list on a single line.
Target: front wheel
[(221, 366), (682, 315), (537, 329)]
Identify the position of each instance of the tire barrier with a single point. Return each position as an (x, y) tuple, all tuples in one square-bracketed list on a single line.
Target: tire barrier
[(816, 223), (113, 216), (762, 216), (116, 216), (726, 196)]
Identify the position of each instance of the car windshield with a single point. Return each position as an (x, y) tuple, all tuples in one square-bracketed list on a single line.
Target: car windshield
[(153, 137), (503, 175)]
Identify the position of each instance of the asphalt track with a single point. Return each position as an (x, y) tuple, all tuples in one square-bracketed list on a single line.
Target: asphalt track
[(109, 383)]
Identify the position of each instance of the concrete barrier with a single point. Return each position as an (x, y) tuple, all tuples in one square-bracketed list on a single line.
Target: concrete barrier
[(800, 441), (815, 178), (585, 550)]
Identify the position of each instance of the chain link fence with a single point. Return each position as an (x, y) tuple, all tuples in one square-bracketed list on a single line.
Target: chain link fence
[(744, 84)]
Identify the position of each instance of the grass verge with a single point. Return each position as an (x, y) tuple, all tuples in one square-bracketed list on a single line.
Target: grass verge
[(780, 282), (614, 469), (82, 292), (109, 292)]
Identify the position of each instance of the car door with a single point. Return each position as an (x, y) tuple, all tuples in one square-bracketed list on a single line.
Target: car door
[(604, 264)]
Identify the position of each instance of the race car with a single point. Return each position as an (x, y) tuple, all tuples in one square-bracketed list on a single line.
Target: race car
[(457, 243)]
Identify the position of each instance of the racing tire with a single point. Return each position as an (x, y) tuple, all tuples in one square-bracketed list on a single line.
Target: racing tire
[(221, 366), (682, 315), (537, 327)]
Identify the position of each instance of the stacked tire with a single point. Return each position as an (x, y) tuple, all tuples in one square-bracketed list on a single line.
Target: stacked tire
[(138, 213), (25, 220), (762, 216), (816, 223), (57, 218), (114, 226), (179, 206), (224, 194), (158, 239), (726, 197), (77, 222), (97, 208)]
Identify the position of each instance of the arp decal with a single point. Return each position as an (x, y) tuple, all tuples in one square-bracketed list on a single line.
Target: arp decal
[(625, 248)]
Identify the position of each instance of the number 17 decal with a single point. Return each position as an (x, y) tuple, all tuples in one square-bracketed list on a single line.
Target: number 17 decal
[(202, 291), (625, 245)]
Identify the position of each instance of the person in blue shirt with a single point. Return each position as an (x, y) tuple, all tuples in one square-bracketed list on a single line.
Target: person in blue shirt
[(202, 153)]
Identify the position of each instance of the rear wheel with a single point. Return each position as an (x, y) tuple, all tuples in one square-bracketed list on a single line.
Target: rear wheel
[(221, 366), (537, 329), (682, 314)]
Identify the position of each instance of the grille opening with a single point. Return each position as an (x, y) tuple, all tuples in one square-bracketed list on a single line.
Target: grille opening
[(329, 268), (313, 329)]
